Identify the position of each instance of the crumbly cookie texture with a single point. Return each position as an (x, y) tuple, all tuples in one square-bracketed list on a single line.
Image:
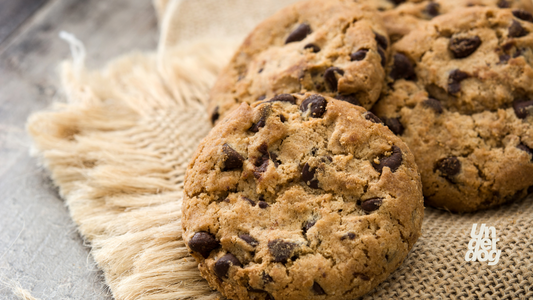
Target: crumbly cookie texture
[(461, 97), (333, 47), (301, 197), (403, 16)]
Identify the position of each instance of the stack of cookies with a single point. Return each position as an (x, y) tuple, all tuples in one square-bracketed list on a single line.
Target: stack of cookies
[(336, 120)]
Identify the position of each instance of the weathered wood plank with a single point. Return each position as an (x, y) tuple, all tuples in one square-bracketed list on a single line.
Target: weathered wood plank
[(39, 246), (14, 12)]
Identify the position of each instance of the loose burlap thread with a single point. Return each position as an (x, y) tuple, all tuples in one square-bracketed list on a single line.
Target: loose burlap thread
[(119, 146)]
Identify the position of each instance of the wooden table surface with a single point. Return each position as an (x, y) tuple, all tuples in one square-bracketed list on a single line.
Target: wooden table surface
[(40, 249)]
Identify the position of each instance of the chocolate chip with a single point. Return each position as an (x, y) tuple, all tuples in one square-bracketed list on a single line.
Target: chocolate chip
[(394, 161), (454, 81), (523, 15), (397, 2), (264, 113), (261, 98), (318, 289), (281, 250), (316, 103), (282, 119), (300, 33), (394, 125), (331, 78), (215, 115), (349, 235), (266, 278), (403, 68), (362, 276), (521, 108), (203, 243), (308, 175), (249, 239), (263, 204), (503, 4), (308, 225), (259, 170), (232, 159), (252, 202), (530, 190), (314, 48), (381, 40), (371, 205), (449, 166), (516, 30), (525, 148), (359, 55), (434, 104), (462, 47), (224, 263), (350, 98), (383, 57), (504, 58), (283, 98), (269, 297), (432, 9), (373, 118)]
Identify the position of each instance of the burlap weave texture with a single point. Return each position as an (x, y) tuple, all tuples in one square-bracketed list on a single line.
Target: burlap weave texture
[(119, 146)]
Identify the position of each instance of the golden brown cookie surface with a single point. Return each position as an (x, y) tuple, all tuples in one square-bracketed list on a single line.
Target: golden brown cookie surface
[(301, 197)]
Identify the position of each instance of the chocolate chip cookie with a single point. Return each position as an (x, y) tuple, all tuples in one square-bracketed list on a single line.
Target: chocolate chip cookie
[(300, 197), (461, 97), (402, 16), (334, 47)]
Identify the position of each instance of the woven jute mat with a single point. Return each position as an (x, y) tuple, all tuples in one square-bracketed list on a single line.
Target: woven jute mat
[(118, 147)]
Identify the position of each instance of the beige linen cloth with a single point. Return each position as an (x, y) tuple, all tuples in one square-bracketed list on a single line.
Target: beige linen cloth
[(118, 147)]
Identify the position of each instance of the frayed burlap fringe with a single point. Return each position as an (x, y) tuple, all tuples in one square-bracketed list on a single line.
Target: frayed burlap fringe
[(118, 150)]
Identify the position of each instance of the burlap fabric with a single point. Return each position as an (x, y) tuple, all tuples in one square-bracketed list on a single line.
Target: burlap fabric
[(118, 148)]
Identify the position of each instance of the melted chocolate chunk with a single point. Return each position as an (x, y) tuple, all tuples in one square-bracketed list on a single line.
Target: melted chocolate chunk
[(261, 98), (252, 202), (349, 236), (266, 278), (359, 55), (403, 68), (281, 250), (449, 166), (362, 276), (317, 104), (232, 159), (224, 263), (283, 98), (215, 115), (350, 98), (454, 81), (432, 9), (203, 243), (308, 225), (314, 48), (434, 104), (504, 58), (521, 108), (308, 175), (397, 2), (373, 118), (464, 47), (523, 15), (265, 112), (371, 205), (263, 204), (394, 125), (381, 40), (331, 78), (383, 57), (249, 239), (318, 289), (525, 148), (503, 4), (300, 33), (516, 30), (393, 162)]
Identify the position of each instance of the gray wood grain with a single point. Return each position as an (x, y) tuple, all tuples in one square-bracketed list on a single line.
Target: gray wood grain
[(40, 249), (14, 12)]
